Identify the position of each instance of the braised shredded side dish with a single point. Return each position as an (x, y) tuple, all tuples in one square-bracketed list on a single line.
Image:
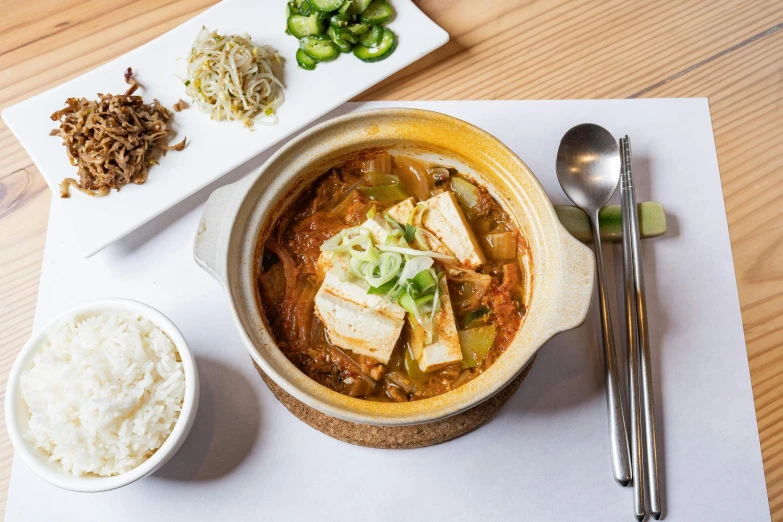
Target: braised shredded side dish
[(112, 141)]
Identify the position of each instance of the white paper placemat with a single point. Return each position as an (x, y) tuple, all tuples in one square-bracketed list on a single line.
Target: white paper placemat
[(543, 457)]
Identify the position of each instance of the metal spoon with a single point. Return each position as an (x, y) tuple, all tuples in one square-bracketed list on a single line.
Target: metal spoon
[(588, 168)]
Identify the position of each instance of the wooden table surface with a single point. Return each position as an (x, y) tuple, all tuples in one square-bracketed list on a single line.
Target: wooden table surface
[(730, 51)]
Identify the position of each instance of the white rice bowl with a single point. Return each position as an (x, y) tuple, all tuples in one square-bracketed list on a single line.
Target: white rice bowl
[(103, 392)]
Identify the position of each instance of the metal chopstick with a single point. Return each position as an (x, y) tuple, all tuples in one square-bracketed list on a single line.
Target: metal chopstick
[(645, 373), (637, 453)]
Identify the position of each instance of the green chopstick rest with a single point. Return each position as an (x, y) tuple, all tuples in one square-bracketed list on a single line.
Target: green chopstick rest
[(652, 221)]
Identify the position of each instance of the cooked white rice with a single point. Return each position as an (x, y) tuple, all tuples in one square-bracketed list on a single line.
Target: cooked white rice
[(104, 393)]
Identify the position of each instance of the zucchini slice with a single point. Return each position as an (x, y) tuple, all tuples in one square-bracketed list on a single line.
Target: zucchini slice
[(378, 52), (326, 6), (378, 12), (372, 37), (319, 47), (304, 61), (301, 26)]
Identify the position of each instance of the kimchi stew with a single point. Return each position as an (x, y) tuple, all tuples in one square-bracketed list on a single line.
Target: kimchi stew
[(391, 278)]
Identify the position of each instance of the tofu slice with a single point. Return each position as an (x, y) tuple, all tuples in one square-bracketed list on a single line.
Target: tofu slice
[(402, 210), (446, 221), (365, 324), (445, 348)]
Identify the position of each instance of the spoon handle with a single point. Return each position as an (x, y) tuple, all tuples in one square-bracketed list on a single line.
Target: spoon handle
[(621, 466)]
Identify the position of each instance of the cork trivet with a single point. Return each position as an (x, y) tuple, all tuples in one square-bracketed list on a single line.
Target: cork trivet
[(397, 437)]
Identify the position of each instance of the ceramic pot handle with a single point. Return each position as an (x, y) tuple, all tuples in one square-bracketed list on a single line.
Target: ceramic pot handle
[(578, 280), (214, 230)]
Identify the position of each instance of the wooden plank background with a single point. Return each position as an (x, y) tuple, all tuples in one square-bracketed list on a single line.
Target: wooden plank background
[(730, 51)]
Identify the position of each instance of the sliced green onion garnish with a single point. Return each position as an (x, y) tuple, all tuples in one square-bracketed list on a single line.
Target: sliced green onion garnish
[(333, 242), (383, 289), (423, 300), (414, 252), (407, 302), (397, 239), (346, 239), (410, 233), (392, 237), (413, 306), (419, 239), (436, 296), (412, 289), (425, 283), (365, 252), (416, 216), (413, 266), (356, 267), (384, 269), (393, 222)]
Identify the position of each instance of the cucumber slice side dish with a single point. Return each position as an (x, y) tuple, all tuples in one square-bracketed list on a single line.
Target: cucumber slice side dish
[(379, 52), (358, 6), (378, 12), (326, 28), (304, 61), (359, 28), (301, 26), (348, 36), (339, 21), (319, 47), (301, 7), (372, 37), (342, 45), (326, 6)]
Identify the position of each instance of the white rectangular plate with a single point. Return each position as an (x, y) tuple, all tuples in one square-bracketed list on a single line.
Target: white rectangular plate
[(214, 148)]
